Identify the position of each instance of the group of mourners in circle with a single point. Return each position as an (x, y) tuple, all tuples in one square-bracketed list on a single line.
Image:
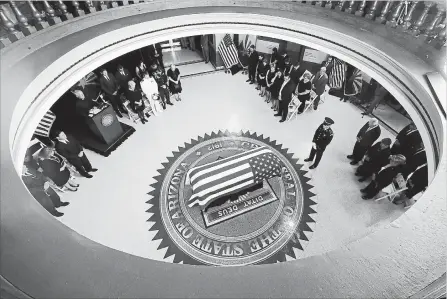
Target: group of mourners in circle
[(383, 162), (279, 80), (153, 86)]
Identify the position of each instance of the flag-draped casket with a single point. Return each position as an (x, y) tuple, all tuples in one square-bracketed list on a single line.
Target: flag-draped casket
[(231, 175)]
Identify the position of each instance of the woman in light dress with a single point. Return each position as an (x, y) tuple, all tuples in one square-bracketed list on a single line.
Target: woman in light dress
[(150, 89)]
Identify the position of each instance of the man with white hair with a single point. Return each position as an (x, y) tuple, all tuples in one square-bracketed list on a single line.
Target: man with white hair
[(319, 85), (366, 137)]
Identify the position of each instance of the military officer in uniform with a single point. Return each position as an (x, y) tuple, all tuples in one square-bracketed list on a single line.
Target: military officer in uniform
[(323, 136)]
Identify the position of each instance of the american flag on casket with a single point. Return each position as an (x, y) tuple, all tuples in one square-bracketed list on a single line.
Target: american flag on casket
[(230, 175)]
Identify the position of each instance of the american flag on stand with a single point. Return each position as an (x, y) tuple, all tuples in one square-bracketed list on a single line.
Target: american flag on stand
[(230, 175), (45, 124), (337, 75), (354, 84), (229, 54)]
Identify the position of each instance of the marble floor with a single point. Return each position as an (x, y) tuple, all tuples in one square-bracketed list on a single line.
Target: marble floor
[(111, 207)]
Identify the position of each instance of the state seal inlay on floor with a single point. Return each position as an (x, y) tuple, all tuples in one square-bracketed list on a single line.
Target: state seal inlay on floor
[(230, 199)]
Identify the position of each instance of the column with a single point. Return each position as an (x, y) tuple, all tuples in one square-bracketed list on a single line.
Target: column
[(409, 17), (372, 11), (90, 7), (350, 8), (383, 14), (329, 4), (416, 27), (78, 12), (361, 10), (38, 22), (393, 20), (430, 30), (13, 34), (51, 17), (26, 28), (102, 5), (65, 15), (340, 5)]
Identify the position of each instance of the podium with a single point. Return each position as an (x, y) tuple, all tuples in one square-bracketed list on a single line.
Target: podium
[(105, 125)]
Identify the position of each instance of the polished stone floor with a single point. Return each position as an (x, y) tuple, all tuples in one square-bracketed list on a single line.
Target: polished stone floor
[(111, 207)]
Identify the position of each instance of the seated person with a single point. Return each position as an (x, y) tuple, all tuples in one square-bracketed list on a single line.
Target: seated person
[(69, 148), (135, 98), (384, 177), (55, 168), (375, 158), (303, 91), (40, 189), (150, 88)]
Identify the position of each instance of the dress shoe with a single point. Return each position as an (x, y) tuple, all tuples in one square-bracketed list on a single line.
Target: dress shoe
[(307, 160), (57, 214), (277, 114), (353, 162), (64, 203), (362, 180), (87, 175), (350, 156), (252, 82), (169, 103), (312, 166), (363, 190), (94, 170), (282, 120), (364, 113), (365, 197), (248, 80), (73, 190)]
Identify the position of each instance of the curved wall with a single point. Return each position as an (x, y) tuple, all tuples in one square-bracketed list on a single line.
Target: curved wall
[(68, 265)]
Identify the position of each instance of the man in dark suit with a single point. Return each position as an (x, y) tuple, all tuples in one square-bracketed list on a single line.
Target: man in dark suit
[(367, 135), (322, 137), (375, 158), (416, 183), (110, 86), (285, 96), (416, 157), (319, 85), (296, 72), (253, 58), (384, 177), (156, 55), (406, 140), (122, 77), (72, 150)]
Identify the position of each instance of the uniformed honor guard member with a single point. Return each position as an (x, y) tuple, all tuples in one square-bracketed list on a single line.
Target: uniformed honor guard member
[(323, 136)]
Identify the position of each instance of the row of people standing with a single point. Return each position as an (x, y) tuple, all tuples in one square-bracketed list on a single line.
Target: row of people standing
[(279, 80)]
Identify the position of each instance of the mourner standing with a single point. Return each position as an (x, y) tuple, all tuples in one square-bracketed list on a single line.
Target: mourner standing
[(367, 135), (323, 136), (253, 58), (319, 85), (406, 140), (110, 86)]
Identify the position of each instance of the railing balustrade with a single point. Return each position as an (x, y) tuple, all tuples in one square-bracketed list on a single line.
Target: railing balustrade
[(421, 19)]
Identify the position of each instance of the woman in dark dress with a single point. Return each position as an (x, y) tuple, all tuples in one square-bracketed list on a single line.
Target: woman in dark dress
[(274, 57), (278, 81), (55, 168), (269, 80), (175, 86), (303, 91), (136, 101), (262, 72)]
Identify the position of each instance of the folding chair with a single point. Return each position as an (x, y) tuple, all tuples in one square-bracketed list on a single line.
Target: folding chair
[(293, 107), (130, 113)]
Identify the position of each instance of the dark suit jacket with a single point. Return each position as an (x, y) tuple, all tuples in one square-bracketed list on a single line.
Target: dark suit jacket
[(70, 150), (253, 59), (320, 83), (377, 156), (123, 80), (109, 86), (295, 74), (368, 138), (287, 92), (385, 176)]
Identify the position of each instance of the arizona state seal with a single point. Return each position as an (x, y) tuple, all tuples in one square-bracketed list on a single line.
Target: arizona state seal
[(259, 224)]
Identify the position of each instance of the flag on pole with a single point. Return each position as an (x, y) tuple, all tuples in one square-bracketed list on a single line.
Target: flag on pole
[(228, 52), (353, 84), (337, 75), (230, 175), (45, 124)]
